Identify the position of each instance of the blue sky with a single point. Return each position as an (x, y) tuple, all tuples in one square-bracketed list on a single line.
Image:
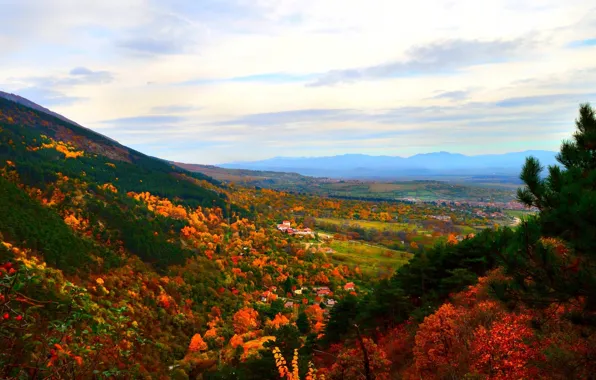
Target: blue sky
[(216, 81)]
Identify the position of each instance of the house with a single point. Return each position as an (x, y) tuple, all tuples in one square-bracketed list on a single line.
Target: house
[(331, 302), (298, 291), (323, 291), (265, 296), (289, 305), (284, 226), (349, 286)]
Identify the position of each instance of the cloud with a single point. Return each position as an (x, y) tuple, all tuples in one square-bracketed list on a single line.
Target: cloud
[(257, 78), (433, 58), (559, 99), (76, 77), (144, 120), (164, 33), (47, 97), (436, 75), (151, 45), (508, 113), (288, 117), (174, 109), (83, 75), (583, 43), (452, 95)]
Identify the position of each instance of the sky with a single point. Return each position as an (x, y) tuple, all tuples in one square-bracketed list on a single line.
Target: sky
[(215, 81)]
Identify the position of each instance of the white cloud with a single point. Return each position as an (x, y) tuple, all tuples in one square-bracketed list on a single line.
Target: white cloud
[(128, 59)]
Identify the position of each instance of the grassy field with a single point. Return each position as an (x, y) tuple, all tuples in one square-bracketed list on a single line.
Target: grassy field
[(371, 259), (367, 224), (518, 213), (422, 190), (382, 226)]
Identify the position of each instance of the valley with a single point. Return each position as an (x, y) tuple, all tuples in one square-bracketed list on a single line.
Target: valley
[(116, 264)]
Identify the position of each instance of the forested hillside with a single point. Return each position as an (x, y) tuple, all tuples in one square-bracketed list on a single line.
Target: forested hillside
[(116, 265)]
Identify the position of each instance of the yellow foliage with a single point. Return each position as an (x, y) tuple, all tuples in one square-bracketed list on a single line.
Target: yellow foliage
[(108, 186), (67, 149)]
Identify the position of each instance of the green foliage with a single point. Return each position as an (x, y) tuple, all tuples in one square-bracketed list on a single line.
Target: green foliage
[(422, 285), (563, 268), (27, 222), (303, 323)]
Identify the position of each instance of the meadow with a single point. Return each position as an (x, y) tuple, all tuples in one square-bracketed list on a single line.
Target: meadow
[(371, 259), (373, 224)]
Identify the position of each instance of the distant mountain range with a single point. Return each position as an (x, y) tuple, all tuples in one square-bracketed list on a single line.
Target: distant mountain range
[(420, 165)]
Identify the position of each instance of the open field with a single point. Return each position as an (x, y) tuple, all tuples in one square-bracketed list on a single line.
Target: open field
[(369, 258), (421, 190), (382, 226), (518, 213), (368, 224)]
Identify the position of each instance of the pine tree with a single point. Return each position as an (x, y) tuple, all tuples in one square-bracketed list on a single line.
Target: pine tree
[(554, 257), (302, 323)]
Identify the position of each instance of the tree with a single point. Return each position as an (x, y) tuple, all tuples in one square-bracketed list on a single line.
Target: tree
[(350, 363), (506, 349), (341, 319), (437, 344), (543, 272), (197, 344), (302, 323), (245, 320)]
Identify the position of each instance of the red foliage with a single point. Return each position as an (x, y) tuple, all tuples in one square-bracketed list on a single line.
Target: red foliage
[(506, 349)]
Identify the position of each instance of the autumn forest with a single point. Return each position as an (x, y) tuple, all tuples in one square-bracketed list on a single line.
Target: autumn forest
[(118, 265)]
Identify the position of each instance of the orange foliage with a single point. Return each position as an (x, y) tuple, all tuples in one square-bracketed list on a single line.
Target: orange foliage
[(236, 341), (211, 333), (278, 321), (437, 341), (197, 344), (109, 187), (245, 320), (452, 239)]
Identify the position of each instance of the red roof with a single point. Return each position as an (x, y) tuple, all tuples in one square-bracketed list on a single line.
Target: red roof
[(349, 285)]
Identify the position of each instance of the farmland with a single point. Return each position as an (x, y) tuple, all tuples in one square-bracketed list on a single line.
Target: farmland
[(372, 260)]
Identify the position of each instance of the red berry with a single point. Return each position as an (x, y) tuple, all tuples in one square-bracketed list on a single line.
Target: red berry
[(6, 316), (19, 317)]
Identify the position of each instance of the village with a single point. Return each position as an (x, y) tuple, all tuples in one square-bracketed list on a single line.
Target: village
[(304, 295), (286, 227)]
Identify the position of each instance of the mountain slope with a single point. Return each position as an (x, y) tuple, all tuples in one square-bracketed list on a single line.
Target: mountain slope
[(365, 166), (114, 264), (133, 170), (28, 103)]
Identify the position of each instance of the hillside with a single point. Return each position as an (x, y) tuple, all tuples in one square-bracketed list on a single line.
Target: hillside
[(269, 179), (117, 265)]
